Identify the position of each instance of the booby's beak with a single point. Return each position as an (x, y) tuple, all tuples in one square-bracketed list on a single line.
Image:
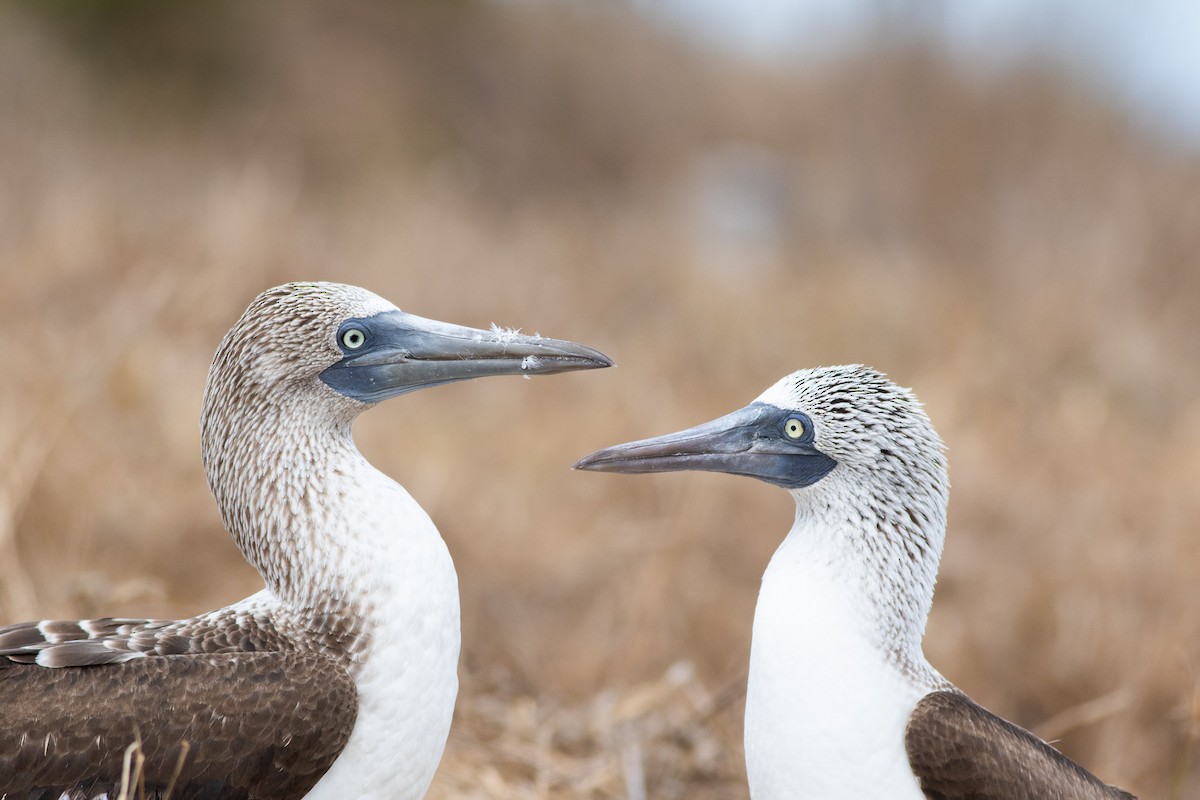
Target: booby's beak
[(748, 442), (393, 353)]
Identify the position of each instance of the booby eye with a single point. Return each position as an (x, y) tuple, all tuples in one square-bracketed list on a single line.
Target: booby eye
[(794, 427), (353, 338)]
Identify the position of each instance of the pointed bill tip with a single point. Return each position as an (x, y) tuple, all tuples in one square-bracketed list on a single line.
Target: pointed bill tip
[(588, 462), (548, 356)]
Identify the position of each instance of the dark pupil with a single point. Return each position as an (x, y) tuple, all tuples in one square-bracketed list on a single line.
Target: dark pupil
[(353, 338)]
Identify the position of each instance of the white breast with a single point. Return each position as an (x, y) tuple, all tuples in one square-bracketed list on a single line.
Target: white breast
[(825, 710), (408, 677)]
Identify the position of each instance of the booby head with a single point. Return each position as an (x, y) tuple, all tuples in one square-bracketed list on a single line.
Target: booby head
[(814, 426), (862, 462), (288, 380), (352, 349)]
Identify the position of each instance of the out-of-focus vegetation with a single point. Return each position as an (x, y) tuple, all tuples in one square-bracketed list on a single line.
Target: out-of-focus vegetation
[(1004, 242)]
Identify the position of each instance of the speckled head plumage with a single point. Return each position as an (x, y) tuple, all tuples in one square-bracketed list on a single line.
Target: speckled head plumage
[(861, 417), (281, 344), (288, 334), (876, 431)]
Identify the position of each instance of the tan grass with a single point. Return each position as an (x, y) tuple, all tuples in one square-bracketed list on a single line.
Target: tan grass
[(1007, 244)]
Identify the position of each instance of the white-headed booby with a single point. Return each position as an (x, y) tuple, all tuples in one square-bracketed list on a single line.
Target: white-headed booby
[(841, 702), (338, 679)]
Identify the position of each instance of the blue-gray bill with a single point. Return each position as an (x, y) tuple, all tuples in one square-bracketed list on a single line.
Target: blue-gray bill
[(751, 441), (393, 353)]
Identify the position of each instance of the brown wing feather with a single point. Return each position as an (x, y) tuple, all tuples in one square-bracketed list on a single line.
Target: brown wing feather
[(958, 749), (81, 643), (258, 725)]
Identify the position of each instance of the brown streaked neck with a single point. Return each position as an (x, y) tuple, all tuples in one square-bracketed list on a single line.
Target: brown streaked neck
[(275, 468)]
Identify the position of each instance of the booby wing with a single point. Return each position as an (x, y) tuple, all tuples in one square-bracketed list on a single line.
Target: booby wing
[(257, 725), (958, 749)]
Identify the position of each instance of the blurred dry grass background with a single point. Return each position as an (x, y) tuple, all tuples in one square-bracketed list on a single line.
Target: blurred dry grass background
[(1004, 241)]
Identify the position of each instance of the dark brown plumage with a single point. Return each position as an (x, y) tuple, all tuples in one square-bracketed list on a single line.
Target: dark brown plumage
[(960, 750), (258, 725)]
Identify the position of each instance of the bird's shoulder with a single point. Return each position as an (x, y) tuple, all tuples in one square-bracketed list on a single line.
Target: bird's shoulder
[(958, 749)]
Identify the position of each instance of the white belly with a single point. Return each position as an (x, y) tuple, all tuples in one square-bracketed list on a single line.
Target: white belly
[(825, 713)]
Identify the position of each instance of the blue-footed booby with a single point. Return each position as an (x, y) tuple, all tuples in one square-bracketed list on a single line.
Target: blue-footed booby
[(841, 702), (338, 679)]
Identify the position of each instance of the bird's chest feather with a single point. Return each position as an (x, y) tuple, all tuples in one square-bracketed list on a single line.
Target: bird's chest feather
[(825, 710), (407, 677)]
